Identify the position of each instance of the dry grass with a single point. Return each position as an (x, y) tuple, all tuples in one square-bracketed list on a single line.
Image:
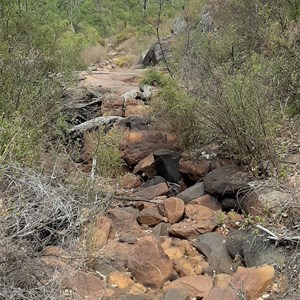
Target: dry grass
[(94, 55)]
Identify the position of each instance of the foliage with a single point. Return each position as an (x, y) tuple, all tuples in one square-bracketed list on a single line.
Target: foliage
[(155, 78), (244, 75), (105, 152)]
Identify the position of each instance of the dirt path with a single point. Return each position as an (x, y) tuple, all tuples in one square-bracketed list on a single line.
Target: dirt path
[(119, 81)]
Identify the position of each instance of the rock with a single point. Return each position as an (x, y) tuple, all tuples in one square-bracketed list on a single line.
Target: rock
[(218, 293), (120, 279), (207, 201), (167, 164), (264, 199), (127, 238), (191, 193), (112, 106), (154, 55), (136, 124), (194, 165), (226, 180), (188, 266), (186, 246), (137, 289), (149, 264), (99, 232), (230, 204), (255, 249), (174, 253), (130, 181), (145, 92), (199, 213), (146, 166), (195, 286), (153, 191), (124, 222), (253, 282), (179, 25), (161, 229), (136, 145), (173, 209), (176, 294), (150, 216), (206, 23), (153, 181), (191, 229), (222, 281), (112, 257), (87, 285), (213, 246)]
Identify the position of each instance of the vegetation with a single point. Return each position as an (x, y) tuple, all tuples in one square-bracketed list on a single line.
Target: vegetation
[(241, 79)]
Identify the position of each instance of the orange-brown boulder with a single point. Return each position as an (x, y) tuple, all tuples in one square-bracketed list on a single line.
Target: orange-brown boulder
[(173, 209), (149, 264)]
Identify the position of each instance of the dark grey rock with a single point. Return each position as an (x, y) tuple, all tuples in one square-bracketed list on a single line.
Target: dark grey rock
[(167, 164), (155, 180), (255, 249), (230, 204), (226, 180), (162, 229), (191, 193), (213, 246)]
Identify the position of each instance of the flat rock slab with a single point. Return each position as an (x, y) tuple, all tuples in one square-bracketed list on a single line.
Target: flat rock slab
[(226, 180)]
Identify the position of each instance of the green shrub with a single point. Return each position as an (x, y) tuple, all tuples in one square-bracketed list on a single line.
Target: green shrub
[(155, 78)]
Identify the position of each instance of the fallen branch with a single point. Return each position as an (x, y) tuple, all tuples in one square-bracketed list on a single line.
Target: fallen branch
[(132, 198), (94, 123), (274, 237)]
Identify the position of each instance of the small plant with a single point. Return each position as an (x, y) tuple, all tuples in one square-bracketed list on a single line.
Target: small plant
[(155, 78), (221, 218), (251, 220)]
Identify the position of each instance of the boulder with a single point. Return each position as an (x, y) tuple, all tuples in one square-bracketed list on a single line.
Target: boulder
[(188, 266), (120, 279), (222, 281), (161, 229), (146, 166), (174, 252), (226, 180), (179, 25), (213, 246), (152, 191), (112, 257), (149, 264), (124, 222), (191, 193), (195, 286), (207, 201), (188, 229), (157, 52), (255, 249), (173, 209), (87, 285), (194, 165), (199, 213), (253, 282), (150, 216), (264, 199), (230, 204), (167, 164), (99, 232), (129, 181)]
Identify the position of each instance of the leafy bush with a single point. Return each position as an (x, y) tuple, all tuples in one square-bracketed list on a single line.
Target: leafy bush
[(243, 75), (154, 77)]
